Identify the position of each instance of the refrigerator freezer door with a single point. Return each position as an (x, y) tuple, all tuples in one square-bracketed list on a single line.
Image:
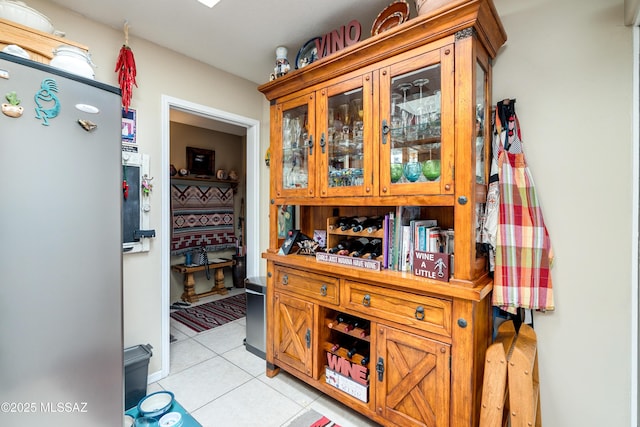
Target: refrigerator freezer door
[(61, 253)]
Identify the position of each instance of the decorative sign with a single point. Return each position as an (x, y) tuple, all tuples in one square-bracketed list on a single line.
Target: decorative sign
[(348, 261), (348, 377), (338, 39), (431, 265)]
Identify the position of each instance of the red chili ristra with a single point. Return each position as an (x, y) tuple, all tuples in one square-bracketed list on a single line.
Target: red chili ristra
[(126, 69)]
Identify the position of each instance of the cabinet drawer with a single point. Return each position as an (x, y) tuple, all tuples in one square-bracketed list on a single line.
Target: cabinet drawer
[(310, 285), (417, 311)]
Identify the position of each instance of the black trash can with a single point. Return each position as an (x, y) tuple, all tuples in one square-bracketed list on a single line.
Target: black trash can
[(136, 372)]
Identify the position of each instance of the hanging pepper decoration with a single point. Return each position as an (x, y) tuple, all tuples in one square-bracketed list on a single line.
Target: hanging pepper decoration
[(126, 69), (125, 185)]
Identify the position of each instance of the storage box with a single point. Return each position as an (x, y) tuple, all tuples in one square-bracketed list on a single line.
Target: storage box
[(136, 371)]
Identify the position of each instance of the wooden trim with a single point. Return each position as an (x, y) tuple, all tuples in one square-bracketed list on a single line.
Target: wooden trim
[(460, 14)]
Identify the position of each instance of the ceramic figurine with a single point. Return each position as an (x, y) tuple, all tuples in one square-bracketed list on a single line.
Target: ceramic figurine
[(13, 108), (282, 63)]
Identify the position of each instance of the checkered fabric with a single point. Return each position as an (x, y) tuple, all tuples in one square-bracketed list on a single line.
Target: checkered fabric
[(523, 248)]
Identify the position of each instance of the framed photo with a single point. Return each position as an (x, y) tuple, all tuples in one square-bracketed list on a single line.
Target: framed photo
[(129, 126), (286, 220), (200, 161)]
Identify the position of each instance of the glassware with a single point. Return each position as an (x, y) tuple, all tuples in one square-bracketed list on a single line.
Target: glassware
[(397, 169), (412, 171), (413, 168), (286, 131), (396, 172), (431, 169), (396, 117), (422, 118), (406, 116)]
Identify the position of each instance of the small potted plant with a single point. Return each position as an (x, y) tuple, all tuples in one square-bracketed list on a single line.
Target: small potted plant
[(13, 108)]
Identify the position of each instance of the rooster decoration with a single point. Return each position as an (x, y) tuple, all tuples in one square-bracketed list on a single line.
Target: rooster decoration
[(47, 103)]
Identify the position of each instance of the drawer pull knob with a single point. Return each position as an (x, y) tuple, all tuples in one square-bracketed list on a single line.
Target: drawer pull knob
[(366, 300), (462, 322), (323, 290), (285, 279), (419, 314)]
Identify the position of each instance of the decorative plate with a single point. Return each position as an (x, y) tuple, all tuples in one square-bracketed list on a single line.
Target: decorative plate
[(392, 16), (155, 404), (307, 53)]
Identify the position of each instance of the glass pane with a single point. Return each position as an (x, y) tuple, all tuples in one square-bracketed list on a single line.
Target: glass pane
[(480, 124), (345, 136), (295, 171), (415, 126)]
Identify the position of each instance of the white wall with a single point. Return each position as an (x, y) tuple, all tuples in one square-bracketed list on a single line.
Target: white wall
[(160, 72), (569, 65)]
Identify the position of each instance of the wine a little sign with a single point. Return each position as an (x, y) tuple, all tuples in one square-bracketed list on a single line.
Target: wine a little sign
[(431, 265)]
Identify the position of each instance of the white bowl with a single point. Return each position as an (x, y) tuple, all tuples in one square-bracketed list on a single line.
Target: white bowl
[(155, 404), (171, 419), (19, 12)]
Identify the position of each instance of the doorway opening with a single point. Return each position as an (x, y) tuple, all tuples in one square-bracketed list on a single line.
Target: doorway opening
[(223, 122)]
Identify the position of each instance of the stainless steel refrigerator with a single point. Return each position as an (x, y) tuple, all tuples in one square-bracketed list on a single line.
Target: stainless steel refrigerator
[(61, 345)]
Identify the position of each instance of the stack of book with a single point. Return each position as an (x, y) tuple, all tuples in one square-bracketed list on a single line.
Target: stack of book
[(405, 232)]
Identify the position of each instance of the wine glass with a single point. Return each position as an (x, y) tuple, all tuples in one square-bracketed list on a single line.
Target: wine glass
[(396, 119), (406, 116), (423, 118)]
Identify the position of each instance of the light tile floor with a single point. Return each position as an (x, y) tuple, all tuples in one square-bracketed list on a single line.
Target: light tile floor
[(222, 384)]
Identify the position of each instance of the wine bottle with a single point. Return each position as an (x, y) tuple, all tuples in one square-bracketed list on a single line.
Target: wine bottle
[(353, 244), (353, 222), (342, 221), (341, 319), (368, 248), (335, 347), (366, 329), (376, 252), (369, 223), (365, 356), (343, 245), (377, 226), (350, 325), (353, 349)]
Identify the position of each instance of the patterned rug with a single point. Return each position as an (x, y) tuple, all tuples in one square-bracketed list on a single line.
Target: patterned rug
[(201, 216), (212, 314)]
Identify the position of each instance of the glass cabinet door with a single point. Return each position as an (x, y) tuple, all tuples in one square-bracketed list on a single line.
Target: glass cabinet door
[(296, 169), (417, 125), (345, 141)]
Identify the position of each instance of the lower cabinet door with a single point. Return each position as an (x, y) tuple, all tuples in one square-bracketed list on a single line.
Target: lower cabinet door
[(412, 378), (293, 332)]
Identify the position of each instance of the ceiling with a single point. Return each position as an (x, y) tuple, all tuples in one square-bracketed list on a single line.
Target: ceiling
[(237, 36)]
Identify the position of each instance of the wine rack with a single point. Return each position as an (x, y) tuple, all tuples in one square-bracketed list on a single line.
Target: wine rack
[(346, 350), (335, 234)]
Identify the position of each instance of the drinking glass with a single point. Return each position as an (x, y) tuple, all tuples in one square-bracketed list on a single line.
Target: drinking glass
[(422, 118)]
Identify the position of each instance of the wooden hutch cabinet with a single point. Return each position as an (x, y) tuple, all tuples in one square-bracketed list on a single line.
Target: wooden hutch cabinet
[(399, 119)]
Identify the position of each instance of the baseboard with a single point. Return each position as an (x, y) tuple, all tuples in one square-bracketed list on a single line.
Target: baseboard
[(154, 377)]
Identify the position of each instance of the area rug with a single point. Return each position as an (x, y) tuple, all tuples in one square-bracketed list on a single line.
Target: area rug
[(202, 216), (212, 314), (312, 419)]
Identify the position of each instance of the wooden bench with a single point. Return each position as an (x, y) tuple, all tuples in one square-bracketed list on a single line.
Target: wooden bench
[(189, 294)]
